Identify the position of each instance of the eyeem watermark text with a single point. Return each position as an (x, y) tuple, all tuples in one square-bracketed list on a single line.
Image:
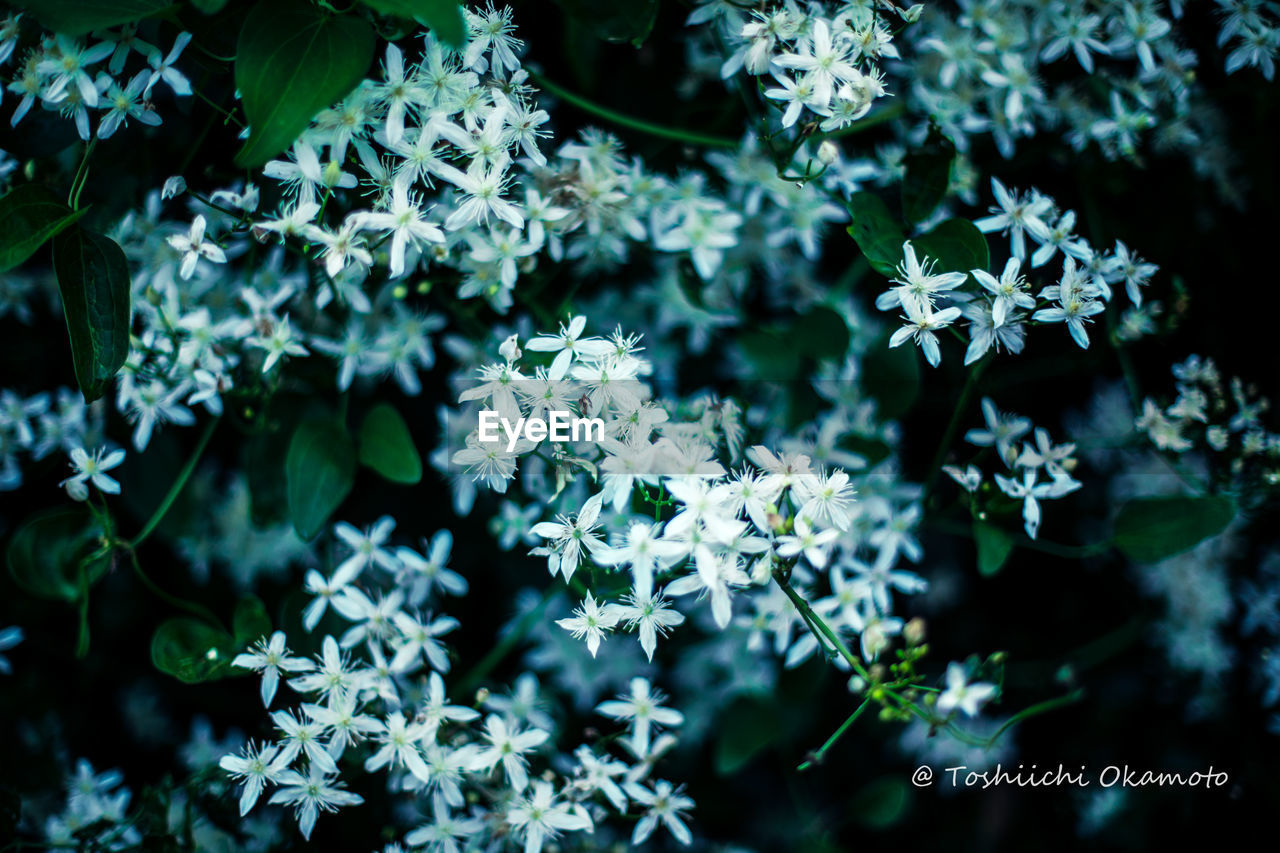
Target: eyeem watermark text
[(557, 426), (1111, 776)]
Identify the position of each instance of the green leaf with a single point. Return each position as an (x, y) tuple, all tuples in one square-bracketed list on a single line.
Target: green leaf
[(387, 447), (927, 176), (891, 376), (45, 553), (209, 7), (615, 20), (30, 215), (93, 277), (77, 17), (192, 651), (293, 60), (319, 470), (444, 17), (1150, 529), (876, 232), (994, 545), (750, 726), (250, 622), (956, 244)]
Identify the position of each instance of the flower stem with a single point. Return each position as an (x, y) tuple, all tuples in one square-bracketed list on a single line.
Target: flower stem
[(623, 120), (821, 752), (176, 488)]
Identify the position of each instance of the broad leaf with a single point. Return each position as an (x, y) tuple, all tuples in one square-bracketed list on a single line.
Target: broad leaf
[(209, 7), (46, 552), (1151, 529), (319, 469), (994, 545), (616, 20), (444, 17), (387, 447), (93, 277), (293, 60), (250, 622), (877, 233), (927, 176), (192, 651), (956, 244), (30, 215), (77, 17)]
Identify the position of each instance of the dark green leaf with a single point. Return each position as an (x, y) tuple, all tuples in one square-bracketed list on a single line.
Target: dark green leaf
[(30, 215), (882, 803), (444, 17), (877, 233), (387, 447), (209, 7), (77, 17), (750, 726), (956, 244), (250, 622), (616, 20), (45, 554), (821, 333), (1150, 529), (192, 651), (293, 60), (93, 277), (927, 176), (891, 376), (319, 472), (994, 545)]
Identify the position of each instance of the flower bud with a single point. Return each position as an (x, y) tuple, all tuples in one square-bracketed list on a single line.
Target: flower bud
[(913, 632), (828, 152), (913, 14)]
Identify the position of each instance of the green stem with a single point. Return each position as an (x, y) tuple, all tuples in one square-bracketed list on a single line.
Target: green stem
[(176, 488), (821, 752), (181, 603), (82, 175), (623, 120), (1035, 710), (820, 628)]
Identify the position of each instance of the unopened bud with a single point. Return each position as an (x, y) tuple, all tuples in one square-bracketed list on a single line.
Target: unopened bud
[(913, 14), (913, 632), (828, 152), (482, 696)]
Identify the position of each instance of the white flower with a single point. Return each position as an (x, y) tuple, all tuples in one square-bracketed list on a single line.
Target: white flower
[(960, 694), (92, 469), (663, 803), (311, 794), (643, 708), (257, 766), (542, 819), (508, 747), (270, 657), (922, 323), (193, 247), (590, 620)]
